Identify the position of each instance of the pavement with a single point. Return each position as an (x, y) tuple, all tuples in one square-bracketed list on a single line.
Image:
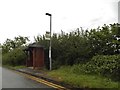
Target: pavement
[(41, 74)]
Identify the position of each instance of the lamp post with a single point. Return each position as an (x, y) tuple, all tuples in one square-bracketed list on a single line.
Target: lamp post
[(50, 40)]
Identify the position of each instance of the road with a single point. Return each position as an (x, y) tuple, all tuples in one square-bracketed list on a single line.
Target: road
[(11, 79)]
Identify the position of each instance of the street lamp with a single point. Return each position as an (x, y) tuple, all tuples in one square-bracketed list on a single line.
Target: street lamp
[(50, 40)]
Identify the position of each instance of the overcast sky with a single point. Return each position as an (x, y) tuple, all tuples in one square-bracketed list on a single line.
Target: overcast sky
[(27, 17)]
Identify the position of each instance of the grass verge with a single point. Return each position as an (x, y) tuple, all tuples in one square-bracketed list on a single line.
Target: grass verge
[(14, 67), (65, 75)]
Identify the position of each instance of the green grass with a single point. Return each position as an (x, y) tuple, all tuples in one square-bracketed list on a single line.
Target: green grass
[(19, 67), (65, 75), (14, 67)]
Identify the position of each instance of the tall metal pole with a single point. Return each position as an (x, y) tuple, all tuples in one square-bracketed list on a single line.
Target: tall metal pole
[(50, 43), (50, 40)]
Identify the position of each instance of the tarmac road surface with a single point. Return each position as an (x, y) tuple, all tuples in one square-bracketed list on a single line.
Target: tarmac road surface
[(11, 79)]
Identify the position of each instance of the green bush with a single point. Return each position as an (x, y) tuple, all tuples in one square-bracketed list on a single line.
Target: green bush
[(15, 57), (106, 65), (79, 46)]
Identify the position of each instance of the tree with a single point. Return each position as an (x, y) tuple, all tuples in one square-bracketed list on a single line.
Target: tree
[(18, 42), (81, 45)]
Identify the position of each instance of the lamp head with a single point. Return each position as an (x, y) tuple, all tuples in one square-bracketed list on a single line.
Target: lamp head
[(48, 14)]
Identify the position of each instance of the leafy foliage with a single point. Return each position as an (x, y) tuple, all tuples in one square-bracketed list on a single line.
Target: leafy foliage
[(79, 46), (105, 65), (14, 58), (13, 51), (10, 45)]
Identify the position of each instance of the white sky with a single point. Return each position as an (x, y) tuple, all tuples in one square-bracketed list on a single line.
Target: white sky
[(27, 17)]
